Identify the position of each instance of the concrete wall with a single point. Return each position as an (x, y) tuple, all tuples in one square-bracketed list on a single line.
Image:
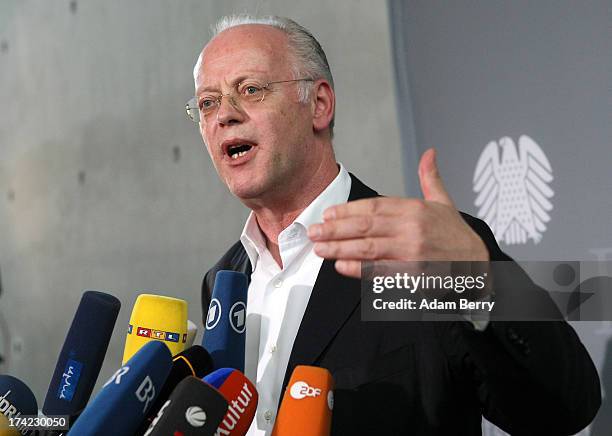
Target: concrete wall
[(104, 184)]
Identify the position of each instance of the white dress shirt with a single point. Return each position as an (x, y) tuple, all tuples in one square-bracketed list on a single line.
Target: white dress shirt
[(277, 298)]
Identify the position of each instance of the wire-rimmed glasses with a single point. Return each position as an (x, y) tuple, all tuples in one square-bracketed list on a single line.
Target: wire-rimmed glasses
[(246, 92)]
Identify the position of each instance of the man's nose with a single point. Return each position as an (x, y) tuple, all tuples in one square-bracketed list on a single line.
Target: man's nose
[(229, 112)]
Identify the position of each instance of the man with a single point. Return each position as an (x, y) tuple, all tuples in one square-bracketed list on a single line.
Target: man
[(265, 103)]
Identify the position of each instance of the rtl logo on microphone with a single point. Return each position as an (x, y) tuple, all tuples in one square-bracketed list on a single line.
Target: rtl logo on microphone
[(157, 334), (70, 379), (300, 390)]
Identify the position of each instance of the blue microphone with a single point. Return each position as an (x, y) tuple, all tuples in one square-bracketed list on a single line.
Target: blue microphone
[(125, 399), (16, 400), (226, 320), (82, 354)]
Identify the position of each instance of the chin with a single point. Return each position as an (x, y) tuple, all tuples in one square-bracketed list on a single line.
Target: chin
[(246, 190)]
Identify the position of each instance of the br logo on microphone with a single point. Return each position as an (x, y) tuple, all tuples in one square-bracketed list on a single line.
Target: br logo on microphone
[(301, 390), (145, 392), (116, 377), (195, 416), (237, 317), (214, 314)]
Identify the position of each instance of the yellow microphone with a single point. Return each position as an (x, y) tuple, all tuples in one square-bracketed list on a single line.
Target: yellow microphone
[(5, 430), (156, 318)]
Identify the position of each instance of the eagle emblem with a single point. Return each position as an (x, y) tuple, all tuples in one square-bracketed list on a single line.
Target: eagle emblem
[(513, 192)]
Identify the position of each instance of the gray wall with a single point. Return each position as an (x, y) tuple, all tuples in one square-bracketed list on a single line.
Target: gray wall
[(104, 184), (474, 72)]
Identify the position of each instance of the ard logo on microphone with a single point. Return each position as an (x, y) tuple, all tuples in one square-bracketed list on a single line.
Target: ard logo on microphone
[(214, 314), (301, 390), (237, 317)]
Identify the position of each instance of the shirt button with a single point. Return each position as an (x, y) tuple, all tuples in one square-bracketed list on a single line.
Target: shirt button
[(268, 415), (278, 283), (273, 349)]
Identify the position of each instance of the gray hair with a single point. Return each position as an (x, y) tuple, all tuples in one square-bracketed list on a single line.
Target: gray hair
[(309, 57)]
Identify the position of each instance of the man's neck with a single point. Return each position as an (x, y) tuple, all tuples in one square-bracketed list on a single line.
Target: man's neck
[(273, 220)]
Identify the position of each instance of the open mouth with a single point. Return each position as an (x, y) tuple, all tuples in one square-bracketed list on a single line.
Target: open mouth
[(238, 150)]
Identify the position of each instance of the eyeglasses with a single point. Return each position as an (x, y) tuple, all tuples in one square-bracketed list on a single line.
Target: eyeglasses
[(245, 94)]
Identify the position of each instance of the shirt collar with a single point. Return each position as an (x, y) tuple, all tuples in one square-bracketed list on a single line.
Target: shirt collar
[(336, 192)]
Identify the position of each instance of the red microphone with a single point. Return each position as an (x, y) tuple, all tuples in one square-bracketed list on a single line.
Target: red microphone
[(242, 397)]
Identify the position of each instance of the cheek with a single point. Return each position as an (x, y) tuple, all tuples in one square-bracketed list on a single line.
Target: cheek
[(282, 125), (206, 138)]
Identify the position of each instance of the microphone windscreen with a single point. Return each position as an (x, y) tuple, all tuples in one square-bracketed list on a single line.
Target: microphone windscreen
[(224, 333), (242, 397), (306, 409), (194, 361), (155, 317), (193, 409), (192, 331), (82, 354), (16, 400), (122, 404)]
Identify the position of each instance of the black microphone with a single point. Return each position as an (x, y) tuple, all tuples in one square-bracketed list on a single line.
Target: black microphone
[(82, 354), (194, 361), (194, 409)]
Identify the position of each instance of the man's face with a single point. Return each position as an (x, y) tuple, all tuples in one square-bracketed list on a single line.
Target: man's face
[(276, 131)]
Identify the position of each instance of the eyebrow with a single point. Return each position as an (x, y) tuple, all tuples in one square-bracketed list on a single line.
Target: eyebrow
[(233, 84)]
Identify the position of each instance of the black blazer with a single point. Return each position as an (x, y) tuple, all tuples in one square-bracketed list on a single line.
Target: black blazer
[(436, 378)]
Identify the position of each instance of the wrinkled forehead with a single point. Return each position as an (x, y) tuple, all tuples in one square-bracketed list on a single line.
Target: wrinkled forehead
[(244, 49)]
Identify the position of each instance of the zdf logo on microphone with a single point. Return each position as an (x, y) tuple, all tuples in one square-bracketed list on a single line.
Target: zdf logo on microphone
[(300, 390)]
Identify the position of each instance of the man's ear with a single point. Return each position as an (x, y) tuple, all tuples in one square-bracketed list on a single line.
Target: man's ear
[(323, 105)]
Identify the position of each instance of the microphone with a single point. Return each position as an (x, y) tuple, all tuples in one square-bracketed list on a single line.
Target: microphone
[(226, 320), (306, 409), (242, 397), (125, 399), (155, 317), (194, 361), (16, 399), (194, 409), (82, 354), (192, 331)]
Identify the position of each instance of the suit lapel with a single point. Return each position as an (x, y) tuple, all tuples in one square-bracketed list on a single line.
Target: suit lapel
[(333, 299)]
